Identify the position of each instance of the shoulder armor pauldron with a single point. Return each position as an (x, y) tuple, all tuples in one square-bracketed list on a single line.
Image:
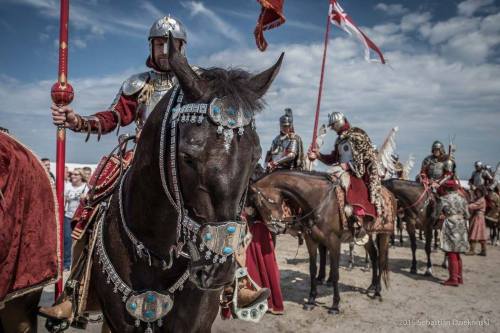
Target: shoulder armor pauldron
[(135, 83)]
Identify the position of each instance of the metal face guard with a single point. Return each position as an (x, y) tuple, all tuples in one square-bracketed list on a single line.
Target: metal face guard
[(253, 313)]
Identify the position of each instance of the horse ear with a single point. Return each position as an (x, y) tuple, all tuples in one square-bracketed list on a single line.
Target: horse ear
[(259, 83), (187, 77)]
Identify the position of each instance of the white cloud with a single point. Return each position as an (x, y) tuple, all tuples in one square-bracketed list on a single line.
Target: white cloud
[(413, 21), (391, 9), (221, 26), (469, 7)]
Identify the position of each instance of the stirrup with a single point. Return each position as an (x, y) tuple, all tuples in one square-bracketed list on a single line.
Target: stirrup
[(56, 325), (253, 313)]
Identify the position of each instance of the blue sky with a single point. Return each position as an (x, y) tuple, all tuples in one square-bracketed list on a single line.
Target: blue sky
[(443, 76)]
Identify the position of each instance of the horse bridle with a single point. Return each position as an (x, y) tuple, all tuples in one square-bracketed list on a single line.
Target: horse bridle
[(294, 219), (218, 240)]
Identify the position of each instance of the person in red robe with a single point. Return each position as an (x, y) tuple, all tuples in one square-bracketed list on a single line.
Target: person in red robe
[(261, 260)]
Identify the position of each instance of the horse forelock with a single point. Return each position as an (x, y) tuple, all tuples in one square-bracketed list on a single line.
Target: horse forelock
[(233, 84)]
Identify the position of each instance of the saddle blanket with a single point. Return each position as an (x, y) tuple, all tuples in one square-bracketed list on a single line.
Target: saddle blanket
[(29, 228)]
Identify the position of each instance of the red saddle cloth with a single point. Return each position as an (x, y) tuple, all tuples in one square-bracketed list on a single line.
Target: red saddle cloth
[(262, 266), (102, 184), (28, 222), (358, 196)]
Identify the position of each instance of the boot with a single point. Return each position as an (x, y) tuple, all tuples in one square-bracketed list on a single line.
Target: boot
[(452, 269), (483, 248), (460, 278), (472, 249), (247, 296), (62, 310), (359, 232)]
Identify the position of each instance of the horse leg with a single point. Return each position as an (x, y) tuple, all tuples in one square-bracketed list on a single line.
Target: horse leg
[(428, 241), (350, 265), (400, 230), (410, 228), (372, 252), (420, 234), (322, 264), (20, 314), (436, 238), (312, 248), (334, 261), (383, 264), (105, 327)]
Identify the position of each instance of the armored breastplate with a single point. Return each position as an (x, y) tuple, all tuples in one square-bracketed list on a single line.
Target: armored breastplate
[(436, 170), (478, 179), (345, 151), (278, 147), (161, 84)]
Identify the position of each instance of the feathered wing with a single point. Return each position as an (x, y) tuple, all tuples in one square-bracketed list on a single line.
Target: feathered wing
[(387, 149), (408, 165)]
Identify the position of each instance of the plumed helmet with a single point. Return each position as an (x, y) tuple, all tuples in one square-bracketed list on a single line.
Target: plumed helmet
[(163, 26), (336, 120), (478, 165), (437, 145), (287, 118)]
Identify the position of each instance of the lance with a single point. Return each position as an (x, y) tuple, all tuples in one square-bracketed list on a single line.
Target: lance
[(318, 103), (62, 94)]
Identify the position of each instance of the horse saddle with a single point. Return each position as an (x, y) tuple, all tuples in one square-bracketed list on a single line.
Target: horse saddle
[(383, 223), (102, 184)]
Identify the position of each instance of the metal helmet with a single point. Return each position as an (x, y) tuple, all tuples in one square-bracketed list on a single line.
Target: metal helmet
[(437, 145), (489, 168), (449, 165), (478, 165), (163, 26), (336, 120), (286, 120)]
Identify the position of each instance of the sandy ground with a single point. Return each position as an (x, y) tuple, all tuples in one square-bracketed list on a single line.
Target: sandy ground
[(413, 303)]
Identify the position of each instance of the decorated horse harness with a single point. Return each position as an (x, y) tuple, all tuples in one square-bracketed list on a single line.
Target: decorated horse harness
[(212, 242)]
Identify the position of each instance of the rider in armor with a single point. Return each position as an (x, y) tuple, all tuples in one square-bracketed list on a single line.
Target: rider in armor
[(135, 100), (355, 154), (481, 176), (438, 167), (139, 94), (286, 150)]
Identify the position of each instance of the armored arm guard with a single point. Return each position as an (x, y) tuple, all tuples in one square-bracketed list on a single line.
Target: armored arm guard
[(121, 112)]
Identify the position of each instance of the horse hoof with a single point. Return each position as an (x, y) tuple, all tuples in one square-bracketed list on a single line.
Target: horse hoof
[(308, 307), (413, 271), (333, 311), (428, 273)]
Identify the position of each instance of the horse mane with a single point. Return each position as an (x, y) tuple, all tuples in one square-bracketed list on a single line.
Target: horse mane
[(316, 174), (233, 84)]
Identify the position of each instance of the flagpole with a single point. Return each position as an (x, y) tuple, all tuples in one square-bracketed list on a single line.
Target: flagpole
[(61, 94), (318, 103)]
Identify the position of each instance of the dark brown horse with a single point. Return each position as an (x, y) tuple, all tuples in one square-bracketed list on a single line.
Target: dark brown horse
[(312, 199), (185, 188), (416, 201)]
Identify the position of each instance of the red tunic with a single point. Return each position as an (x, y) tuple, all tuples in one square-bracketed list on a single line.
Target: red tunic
[(126, 109)]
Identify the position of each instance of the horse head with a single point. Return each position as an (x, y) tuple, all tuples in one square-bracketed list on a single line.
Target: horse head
[(217, 149)]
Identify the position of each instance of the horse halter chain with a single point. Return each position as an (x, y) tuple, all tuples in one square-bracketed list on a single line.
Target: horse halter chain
[(218, 241)]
